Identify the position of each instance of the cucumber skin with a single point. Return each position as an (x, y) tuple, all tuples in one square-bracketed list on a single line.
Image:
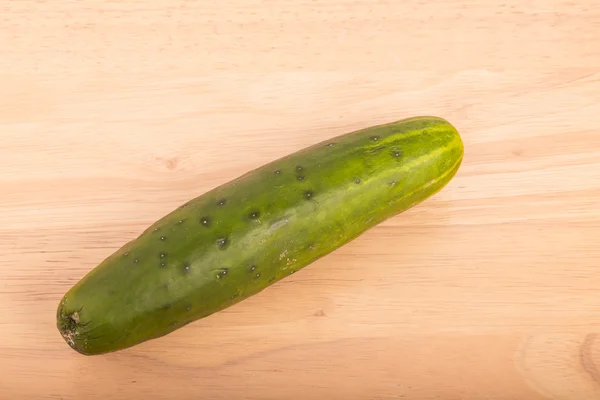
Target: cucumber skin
[(241, 237)]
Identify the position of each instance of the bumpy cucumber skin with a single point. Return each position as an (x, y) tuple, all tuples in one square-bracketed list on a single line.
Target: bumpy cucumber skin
[(237, 239)]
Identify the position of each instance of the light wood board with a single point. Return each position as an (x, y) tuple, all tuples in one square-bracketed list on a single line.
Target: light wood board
[(114, 113)]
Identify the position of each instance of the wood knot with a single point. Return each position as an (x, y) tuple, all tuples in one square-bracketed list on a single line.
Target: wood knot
[(171, 163), (319, 313)]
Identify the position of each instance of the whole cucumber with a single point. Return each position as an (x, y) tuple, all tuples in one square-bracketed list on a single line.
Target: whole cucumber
[(237, 239)]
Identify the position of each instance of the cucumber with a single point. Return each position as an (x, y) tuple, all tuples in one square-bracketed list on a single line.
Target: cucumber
[(241, 237)]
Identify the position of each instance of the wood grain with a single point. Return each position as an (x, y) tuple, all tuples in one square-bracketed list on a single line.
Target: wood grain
[(113, 113)]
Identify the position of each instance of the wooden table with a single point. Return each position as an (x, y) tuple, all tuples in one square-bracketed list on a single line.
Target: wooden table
[(114, 113)]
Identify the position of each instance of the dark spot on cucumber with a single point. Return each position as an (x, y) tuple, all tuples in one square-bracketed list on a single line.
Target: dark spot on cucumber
[(136, 261), (163, 238), (308, 195), (167, 306), (300, 177), (222, 202), (278, 172), (162, 264), (181, 221), (222, 242), (396, 153), (299, 168), (393, 183), (166, 286), (258, 275), (222, 273), (205, 221), (162, 254), (375, 138), (186, 267), (292, 271), (252, 268), (254, 215), (234, 296), (126, 254), (155, 230), (357, 180), (330, 144)]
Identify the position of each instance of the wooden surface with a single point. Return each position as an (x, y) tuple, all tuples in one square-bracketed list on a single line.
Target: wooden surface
[(113, 113)]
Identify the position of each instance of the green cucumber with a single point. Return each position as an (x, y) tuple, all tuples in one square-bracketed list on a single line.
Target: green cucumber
[(241, 237)]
